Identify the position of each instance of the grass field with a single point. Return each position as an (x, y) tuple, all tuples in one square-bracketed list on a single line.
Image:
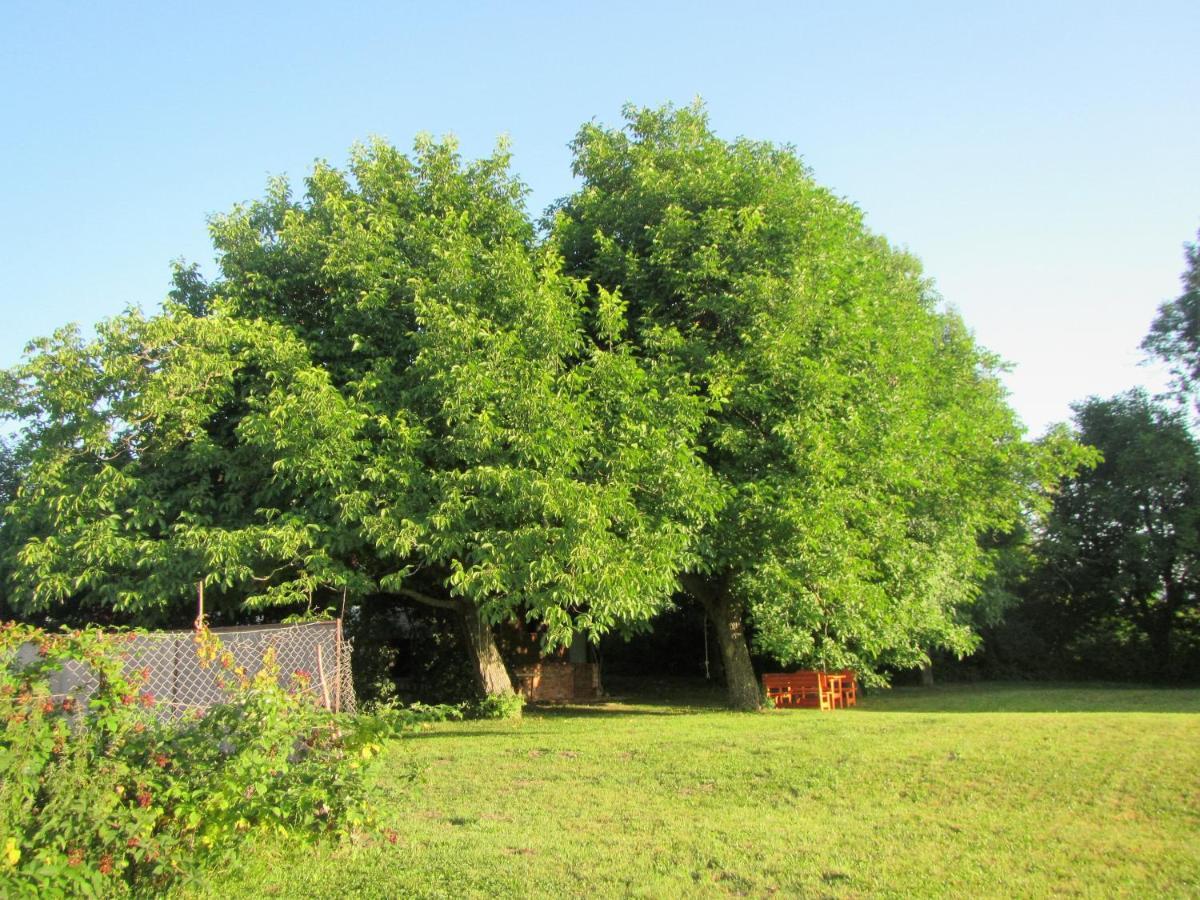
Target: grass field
[(980, 791)]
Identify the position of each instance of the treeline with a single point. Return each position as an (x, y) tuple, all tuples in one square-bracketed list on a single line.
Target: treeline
[(1108, 586)]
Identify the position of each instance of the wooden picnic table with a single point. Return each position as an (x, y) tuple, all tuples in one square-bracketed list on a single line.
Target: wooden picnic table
[(809, 688)]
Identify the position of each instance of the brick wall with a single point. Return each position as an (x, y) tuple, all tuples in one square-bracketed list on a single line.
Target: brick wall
[(552, 681)]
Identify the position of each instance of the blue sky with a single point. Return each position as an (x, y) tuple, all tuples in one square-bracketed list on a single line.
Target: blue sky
[(1041, 159)]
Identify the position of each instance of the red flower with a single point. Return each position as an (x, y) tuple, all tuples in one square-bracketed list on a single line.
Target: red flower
[(147, 699), (132, 842), (161, 760), (127, 699), (139, 727), (106, 865), (144, 799), (48, 706), (392, 836), (75, 857), (68, 704)]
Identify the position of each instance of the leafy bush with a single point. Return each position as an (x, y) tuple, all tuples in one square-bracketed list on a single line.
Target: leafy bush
[(499, 706), (103, 796)]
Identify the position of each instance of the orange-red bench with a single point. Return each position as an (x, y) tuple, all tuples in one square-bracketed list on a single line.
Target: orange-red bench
[(808, 689)]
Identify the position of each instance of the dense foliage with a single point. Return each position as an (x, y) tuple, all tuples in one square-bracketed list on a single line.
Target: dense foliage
[(388, 388), (1123, 539)]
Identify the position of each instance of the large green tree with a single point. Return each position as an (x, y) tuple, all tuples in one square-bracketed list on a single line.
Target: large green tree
[(1122, 543), (390, 386), (860, 438)]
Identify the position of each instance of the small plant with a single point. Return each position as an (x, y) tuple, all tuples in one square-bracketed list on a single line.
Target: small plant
[(499, 706), (390, 719)]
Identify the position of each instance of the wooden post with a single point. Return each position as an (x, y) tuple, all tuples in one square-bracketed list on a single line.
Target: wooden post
[(321, 673), (338, 672)]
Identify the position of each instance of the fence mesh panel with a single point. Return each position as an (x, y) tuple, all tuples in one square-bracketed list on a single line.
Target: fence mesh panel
[(178, 682)]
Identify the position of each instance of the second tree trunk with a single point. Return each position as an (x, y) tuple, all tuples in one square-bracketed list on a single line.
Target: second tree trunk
[(489, 669)]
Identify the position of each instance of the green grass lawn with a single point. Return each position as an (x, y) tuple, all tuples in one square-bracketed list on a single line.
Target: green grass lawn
[(975, 790)]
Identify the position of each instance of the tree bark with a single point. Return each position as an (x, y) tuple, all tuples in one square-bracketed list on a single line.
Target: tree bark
[(1159, 623), (1158, 630), (927, 675), (726, 616), (490, 672)]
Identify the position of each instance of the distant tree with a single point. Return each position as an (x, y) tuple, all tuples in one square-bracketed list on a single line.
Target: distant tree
[(860, 438), (1122, 542), (1174, 335)]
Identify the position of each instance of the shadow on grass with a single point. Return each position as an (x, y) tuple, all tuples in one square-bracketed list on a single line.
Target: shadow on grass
[(643, 697), (622, 706)]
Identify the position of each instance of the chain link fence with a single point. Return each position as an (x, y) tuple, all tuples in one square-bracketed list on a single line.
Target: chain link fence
[(315, 652)]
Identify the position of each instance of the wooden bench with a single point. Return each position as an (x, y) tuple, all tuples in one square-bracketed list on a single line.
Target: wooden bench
[(798, 690)]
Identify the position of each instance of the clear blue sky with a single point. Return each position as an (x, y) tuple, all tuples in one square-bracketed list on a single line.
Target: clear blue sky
[(1041, 158)]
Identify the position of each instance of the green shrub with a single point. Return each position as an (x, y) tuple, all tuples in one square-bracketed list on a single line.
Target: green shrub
[(499, 706), (104, 797)]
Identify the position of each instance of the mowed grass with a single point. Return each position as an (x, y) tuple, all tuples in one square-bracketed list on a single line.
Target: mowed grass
[(954, 791)]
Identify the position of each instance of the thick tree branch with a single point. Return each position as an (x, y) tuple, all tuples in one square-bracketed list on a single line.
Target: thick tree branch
[(440, 602)]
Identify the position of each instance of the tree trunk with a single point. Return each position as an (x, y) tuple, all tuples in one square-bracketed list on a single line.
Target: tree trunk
[(1159, 621), (927, 675), (1160, 646), (726, 616), (490, 672)]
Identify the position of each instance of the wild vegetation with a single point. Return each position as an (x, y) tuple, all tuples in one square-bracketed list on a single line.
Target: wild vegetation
[(1106, 586), (104, 792)]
